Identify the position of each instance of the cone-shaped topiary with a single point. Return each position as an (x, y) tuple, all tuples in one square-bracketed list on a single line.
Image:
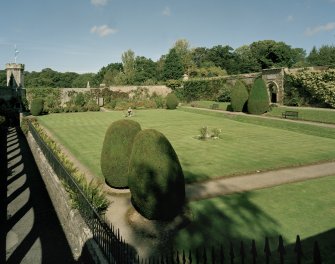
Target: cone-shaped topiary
[(36, 106), (116, 152), (156, 179), (239, 96), (258, 102), (171, 101)]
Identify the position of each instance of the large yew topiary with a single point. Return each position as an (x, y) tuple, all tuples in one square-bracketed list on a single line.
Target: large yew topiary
[(239, 96), (156, 179), (36, 106), (258, 102), (116, 152), (171, 101)]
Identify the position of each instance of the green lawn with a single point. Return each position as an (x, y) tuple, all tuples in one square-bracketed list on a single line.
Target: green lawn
[(208, 104), (310, 114), (244, 147), (305, 208)]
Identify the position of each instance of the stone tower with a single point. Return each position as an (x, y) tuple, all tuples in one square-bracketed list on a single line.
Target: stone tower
[(15, 75)]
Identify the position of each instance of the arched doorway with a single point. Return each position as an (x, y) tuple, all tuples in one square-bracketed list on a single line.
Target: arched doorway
[(273, 92)]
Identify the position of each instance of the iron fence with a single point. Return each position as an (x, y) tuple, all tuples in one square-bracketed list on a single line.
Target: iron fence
[(115, 249)]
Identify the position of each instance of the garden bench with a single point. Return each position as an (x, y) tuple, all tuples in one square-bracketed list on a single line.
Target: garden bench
[(292, 114), (215, 106)]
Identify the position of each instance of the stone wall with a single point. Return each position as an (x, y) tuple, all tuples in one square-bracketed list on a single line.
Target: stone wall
[(77, 232), (158, 89)]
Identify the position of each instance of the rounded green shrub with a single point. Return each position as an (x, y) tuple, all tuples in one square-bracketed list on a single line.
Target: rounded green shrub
[(36, 106), (239, 96), (171, 101), (156, 179), (116, 150), (258, 102)]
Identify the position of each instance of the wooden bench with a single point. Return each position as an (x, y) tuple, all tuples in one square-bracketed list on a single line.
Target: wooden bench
[(290, 114), (215, 106)]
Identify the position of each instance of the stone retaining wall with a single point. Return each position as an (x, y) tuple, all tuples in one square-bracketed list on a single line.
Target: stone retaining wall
[(77, 232)]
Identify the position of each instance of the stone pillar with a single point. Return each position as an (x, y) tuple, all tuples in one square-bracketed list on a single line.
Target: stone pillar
[(15, 75)]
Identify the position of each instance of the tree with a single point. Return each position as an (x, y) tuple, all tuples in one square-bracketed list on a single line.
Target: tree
[(325, 56), (182, 48), (258, 102), (173, 68), (145, 70), (270, 54), (3, 78), (246, 60), (239, 96), (128, 62), (223, 57), (81, 80)]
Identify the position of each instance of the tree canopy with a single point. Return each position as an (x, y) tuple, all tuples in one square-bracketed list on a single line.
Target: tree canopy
[(197, 62)]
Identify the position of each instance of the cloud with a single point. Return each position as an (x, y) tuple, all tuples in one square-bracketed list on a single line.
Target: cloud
[(166, 11), (99, 2), (315, 30), (103, 30), (290, 18)]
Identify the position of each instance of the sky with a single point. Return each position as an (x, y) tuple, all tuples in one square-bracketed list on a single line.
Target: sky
[(85, 35)]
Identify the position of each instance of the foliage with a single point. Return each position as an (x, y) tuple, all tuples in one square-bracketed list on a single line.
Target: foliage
[(324, 56), (158, 99), (320, 85), (156, 179), (2, 120), (116, 150), (92, 190), (173, 66), (128, 62), (174, 84), (270, 53), (171, 101), (258, 102), (239, 96), (52, 96), (205, 89), (205, 133), (36, 107)]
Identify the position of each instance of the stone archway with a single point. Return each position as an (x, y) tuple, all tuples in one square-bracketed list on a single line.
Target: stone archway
[(273, 92)]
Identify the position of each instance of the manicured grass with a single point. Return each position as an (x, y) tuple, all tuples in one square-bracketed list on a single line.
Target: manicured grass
[(310, 114), (306, 209), (244, 146), (208, 104)]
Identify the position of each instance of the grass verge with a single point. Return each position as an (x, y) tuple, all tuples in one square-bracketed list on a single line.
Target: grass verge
[(305, 208)]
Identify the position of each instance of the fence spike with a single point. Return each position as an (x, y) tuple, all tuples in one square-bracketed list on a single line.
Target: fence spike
[(231, 253), (317, 258), (281, 249), (267, 250), (197, 256), (189, 257), (213, 255), (298, 249), (253, 251), (221, 254), (242, 252), (204, 255), (184, 258), (177, 257)]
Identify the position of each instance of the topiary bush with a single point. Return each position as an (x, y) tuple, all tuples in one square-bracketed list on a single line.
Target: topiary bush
[(156, 179), (258, 102), (36, 106), (116, 152), (171, 101), (239, 96)]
